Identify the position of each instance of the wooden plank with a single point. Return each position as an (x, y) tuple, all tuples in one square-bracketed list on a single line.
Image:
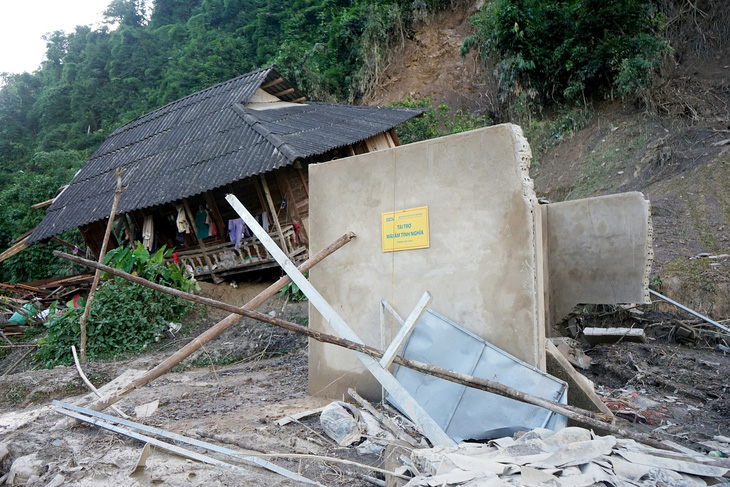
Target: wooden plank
[(15, 249), (414, 410), (272, 83), (397, 344), (272, 208)]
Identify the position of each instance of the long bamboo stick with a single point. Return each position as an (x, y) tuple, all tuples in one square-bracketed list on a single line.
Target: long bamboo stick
[(582, 416), (167, 364), (87, 310)]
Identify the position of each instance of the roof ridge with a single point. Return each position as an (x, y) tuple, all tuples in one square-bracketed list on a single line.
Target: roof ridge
[(287, 150), (180, 101)]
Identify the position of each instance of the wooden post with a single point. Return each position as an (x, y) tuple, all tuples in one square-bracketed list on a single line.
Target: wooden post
[(208, 262), (284, 243), (117, 193)]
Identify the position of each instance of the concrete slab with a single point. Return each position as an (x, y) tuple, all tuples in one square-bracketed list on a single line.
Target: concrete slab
[(599, 252), (483, 265)]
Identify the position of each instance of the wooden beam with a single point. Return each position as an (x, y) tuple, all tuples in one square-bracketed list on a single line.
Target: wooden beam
[(14, 249), (68, 245), (300, 99), (284, 92), (272, 83), (395, 346), (42, 204), (272, 208)]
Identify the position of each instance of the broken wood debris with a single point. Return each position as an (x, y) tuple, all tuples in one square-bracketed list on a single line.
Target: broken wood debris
[(580, 415)]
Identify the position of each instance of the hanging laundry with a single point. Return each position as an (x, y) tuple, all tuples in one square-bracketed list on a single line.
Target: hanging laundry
[(235, 230), (148, 231), (183, 225), (203, 230), (213, 230), (263, 220)]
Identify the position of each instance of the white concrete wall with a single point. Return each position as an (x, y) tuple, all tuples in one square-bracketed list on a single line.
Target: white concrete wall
[(483, 267)]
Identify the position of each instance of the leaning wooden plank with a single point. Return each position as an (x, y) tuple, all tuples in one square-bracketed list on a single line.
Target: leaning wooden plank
[(105, 421), (415, 411), (14, 249), (397, 344), (581, 416), (594, 336)]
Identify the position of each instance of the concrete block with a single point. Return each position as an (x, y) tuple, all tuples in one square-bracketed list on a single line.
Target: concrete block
[(483, 266)]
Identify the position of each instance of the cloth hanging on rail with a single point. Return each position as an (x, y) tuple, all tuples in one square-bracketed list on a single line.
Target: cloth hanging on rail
[(235, 230), (212, 229), (183, 225), (203, 230), (148, 232)]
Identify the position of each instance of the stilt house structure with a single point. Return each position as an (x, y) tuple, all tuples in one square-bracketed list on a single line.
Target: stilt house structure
[(252, 136)]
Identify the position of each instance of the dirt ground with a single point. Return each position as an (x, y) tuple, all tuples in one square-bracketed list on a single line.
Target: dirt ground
[(258, 375)]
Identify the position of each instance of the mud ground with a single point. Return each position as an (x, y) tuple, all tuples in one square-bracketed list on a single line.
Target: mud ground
[(233, 391)]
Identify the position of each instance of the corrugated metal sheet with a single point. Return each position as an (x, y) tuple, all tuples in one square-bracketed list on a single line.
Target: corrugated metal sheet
[(205, 141)]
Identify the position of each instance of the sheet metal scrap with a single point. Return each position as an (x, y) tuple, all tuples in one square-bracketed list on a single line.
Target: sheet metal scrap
[(570, 457)]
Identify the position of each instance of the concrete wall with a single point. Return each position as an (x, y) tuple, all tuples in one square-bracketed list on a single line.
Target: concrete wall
[(599, 251), (483, 266)]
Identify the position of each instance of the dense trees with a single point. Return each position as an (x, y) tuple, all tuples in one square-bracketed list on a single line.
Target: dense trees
[(94, 80)]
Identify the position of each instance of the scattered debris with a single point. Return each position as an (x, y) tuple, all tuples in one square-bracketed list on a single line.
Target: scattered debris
[(594, 336), (570, 457)]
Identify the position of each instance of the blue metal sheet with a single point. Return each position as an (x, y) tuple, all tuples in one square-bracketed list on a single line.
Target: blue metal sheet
[(466, 413)]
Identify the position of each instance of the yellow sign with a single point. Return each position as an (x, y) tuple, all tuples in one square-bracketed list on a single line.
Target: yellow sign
[(405, 229)]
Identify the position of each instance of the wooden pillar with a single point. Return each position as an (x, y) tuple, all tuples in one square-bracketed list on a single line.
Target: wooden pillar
[(272, 208), (298, 166), (191, 218), (283, 181)]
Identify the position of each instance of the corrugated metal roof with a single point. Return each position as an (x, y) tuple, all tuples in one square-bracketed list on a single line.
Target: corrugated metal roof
[(205, 141)]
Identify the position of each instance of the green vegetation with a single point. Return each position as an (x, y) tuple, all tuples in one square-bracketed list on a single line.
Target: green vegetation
[(549, 51), (125, 317), (436, 121)]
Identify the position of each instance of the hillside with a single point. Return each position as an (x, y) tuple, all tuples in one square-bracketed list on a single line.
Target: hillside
[(672, 144)]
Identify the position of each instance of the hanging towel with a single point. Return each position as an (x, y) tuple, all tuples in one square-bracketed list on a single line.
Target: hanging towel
[(148, 232), (213, 230), (200, 224), (235, 229), (183, 225)]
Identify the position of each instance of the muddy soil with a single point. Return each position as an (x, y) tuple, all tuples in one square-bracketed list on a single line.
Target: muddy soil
[(232, 392)]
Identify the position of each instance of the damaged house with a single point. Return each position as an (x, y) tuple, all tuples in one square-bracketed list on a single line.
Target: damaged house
[(252, 136)]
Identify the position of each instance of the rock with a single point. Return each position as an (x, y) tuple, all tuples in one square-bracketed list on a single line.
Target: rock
[(3, 451), (24, 468)]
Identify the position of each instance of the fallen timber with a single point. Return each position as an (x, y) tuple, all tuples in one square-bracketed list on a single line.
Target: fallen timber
[(582, 416)]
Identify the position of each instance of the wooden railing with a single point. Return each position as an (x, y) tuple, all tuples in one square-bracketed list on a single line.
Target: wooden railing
[(250, 253)]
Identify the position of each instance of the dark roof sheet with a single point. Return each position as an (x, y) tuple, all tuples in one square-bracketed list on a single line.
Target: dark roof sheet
[(205, 141)]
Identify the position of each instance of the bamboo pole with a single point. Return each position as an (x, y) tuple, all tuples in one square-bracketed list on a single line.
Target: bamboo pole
[(166, 365), (87, 310), (471, 381), (582, 416)]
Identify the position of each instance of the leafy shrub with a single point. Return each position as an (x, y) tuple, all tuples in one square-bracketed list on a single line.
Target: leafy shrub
[(555, 50), (125, 317), (435, 121)]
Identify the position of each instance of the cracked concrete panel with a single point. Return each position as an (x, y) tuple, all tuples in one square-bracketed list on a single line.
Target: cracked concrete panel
[(599, 252), (482, 263)]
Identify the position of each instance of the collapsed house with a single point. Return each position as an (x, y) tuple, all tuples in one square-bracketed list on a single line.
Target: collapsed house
[(253, 136)]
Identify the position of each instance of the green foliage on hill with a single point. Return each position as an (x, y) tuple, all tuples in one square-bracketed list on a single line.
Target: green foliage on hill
[(553, 51)]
